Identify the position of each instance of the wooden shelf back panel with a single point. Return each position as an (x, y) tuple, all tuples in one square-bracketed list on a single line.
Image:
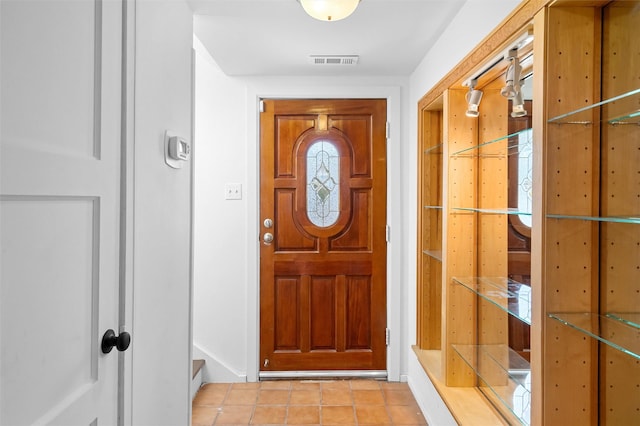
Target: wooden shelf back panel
[(620, 243), (459, 256)]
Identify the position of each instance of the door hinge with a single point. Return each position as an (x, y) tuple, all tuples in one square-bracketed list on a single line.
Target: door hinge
[(387, 336), (388, 130), (261, 106), (388, 233)]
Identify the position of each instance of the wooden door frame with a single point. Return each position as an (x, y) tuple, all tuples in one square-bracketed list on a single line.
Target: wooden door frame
[(395, 349), (129, 162)]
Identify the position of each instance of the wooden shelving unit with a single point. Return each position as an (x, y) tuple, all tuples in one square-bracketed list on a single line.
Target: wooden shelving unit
[(557, 343), (430, 265)]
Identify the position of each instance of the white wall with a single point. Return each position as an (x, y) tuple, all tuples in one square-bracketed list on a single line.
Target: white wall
[(161, 338), (226, 232), (220, 273)]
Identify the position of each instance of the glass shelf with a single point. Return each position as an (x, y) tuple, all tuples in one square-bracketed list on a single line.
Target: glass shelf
[(509, 295), (436, 254), (630, 318), (433, 207), (504, 372), (515, 143), (613, 332), (614, 219), (513, 211), (622, 109), (436, 149), (631, 118)]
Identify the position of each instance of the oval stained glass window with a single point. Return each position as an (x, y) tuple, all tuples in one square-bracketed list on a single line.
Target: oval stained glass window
[(323, 183)]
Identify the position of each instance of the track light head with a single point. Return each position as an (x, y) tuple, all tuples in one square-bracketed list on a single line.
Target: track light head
[(509, 91), (512, 76), (473, 100), (517, 109), (472, 111)]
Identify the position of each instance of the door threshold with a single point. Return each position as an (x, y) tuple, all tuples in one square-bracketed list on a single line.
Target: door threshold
[(323, 374)]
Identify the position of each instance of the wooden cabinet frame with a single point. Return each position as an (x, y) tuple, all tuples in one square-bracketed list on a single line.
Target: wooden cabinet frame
[(585, 52)]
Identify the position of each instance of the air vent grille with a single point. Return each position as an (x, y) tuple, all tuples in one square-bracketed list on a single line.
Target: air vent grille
[(333, 59)]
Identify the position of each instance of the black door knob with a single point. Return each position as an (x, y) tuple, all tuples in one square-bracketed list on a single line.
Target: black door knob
[(121, 342)]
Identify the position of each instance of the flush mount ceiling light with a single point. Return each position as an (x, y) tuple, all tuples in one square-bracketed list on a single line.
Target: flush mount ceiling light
[(329, 10), (473, 99)]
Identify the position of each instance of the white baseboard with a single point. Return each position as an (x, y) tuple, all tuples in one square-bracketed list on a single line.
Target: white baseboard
[(195, 384), (215, 371)]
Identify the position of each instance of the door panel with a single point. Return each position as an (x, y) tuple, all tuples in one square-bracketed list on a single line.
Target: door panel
[(59, 210), (290, 237), (66, 270), (323, 277)]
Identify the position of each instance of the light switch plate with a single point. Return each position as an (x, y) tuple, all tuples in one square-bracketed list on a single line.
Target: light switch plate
[(233, 191)]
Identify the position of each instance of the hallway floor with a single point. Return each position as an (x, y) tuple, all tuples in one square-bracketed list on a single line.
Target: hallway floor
[(306, 402)]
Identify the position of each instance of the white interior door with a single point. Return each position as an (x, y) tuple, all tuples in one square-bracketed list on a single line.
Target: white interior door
[(59, 216)]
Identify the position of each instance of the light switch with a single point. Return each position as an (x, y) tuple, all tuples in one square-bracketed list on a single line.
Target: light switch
[(233, 191)]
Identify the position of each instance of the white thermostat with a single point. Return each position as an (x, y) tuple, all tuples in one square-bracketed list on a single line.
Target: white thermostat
[(177, 150)]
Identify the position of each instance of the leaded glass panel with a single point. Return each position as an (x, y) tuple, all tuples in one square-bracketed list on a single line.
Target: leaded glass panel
[(323, 183), (525, 176)]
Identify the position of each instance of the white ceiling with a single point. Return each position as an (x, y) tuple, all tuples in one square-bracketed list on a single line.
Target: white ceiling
[(276, 37)]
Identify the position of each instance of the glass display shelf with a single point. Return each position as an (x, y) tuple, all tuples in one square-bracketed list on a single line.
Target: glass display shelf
[(613, 219), (630, 318), (436, 254), (505, 373), (613, 332), (512, 211), (433, 207), (509, 295), (504, 146), (436, 149), (618, 110)]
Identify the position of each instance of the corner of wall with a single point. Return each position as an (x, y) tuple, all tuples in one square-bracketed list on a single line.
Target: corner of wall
[(215, 371)]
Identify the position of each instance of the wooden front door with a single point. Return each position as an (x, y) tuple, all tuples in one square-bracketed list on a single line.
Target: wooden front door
[(323, 235)]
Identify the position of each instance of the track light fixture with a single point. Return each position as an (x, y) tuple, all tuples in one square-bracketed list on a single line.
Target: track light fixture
[(512, 76), (513, 88), (473, 99)]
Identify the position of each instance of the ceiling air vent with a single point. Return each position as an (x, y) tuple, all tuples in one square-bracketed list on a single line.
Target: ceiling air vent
[(333, 59)]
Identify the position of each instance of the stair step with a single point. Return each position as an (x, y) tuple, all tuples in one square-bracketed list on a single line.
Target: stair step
[(197, 365)]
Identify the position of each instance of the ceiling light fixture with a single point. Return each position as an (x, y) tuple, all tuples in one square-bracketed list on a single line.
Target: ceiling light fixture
[(473, 100), (329, 10)]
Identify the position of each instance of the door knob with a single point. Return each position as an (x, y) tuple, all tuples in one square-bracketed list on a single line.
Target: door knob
[(267, 238), (121, 342)]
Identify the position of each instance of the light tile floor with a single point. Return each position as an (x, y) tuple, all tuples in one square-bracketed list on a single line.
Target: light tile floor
[(306, 402)]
